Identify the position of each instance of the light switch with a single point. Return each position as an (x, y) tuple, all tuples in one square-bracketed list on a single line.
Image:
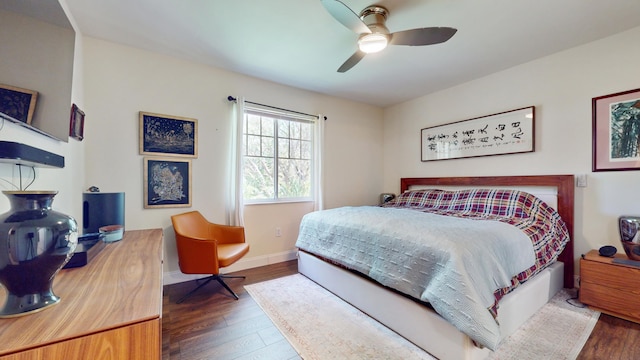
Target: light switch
[(581, 180)]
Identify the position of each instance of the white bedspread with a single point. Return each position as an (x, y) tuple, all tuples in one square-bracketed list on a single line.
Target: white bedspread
[(453, 263)]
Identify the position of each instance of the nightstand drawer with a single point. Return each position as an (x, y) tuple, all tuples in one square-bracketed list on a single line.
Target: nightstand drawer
[(615, 277), (618, 303)]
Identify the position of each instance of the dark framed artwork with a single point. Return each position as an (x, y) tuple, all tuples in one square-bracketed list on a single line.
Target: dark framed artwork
[(76, 123), (616, 131), (508, 132), (168, 135), (167, 182), (18, 103)]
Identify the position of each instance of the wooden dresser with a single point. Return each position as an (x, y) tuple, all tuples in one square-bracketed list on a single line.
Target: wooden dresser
[(611, 288), (109, 309)]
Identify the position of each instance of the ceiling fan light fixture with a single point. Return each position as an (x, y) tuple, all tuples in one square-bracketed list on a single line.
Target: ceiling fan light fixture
[(374, 36), (372, 43)]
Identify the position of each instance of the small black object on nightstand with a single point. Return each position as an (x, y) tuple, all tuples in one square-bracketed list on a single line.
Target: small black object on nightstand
[(607, 251)]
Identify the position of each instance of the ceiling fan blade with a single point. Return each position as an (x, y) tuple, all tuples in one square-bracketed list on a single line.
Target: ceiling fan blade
[(422, 36), (345, 16), (352, 61)]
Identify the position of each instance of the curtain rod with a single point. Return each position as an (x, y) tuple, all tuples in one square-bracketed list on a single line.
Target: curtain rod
[(231, 98)]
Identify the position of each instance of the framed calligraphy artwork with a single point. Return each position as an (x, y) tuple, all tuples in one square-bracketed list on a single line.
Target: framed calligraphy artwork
[(167, 183), (616, 131), (507, 132), (168, 135)]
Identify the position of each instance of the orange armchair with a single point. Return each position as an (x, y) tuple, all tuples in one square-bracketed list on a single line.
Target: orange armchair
[(205, 247)]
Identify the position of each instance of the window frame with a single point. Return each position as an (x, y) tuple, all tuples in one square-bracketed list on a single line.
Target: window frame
[(276, 116)]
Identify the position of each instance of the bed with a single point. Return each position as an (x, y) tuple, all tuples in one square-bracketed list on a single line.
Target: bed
[(408, 314)]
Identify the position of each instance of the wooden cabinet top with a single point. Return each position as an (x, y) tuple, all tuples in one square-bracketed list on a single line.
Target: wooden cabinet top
[(120, 286), (594, 255)]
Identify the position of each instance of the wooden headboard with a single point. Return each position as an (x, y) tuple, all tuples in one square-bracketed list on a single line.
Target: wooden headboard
[(564, 184)]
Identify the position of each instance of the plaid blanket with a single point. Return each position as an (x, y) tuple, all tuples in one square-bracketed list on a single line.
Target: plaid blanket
[(539, 221)]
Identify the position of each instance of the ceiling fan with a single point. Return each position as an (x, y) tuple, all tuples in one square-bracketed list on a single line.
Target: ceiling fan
[(374, 35)]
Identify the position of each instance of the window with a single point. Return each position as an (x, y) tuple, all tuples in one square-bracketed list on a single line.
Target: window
[(278, 157)]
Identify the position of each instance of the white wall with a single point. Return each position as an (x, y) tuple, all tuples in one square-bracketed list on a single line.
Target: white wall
[(561, 87), (120, 81), (68, 181), (112, 83), (39, 56)]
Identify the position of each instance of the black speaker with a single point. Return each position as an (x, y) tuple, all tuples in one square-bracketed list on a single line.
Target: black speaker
[(607, 251), (101, 209)]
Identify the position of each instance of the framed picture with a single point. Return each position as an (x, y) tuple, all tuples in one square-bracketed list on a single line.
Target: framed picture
[(507, 132), (76, 123), (167, 183), (616, 131), (18, 103), (168, 135)]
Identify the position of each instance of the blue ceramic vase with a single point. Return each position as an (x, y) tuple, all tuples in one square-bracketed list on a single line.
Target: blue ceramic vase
[(35, 243)]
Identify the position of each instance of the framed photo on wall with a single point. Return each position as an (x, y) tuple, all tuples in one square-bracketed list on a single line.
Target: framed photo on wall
[(18, 103), (76, 123), (168, 135), (616, 131), (167, 182)]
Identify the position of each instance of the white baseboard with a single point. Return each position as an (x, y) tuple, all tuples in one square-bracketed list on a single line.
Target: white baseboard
[(174, 277)]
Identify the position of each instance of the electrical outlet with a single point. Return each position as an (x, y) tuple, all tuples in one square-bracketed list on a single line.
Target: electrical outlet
[(278, 232)]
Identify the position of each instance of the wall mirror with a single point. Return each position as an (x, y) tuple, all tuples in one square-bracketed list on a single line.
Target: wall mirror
[(37, 43)]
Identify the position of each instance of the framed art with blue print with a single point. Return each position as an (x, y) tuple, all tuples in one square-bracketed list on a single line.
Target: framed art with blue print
[(167, 182), (168, 135), (18, 103)]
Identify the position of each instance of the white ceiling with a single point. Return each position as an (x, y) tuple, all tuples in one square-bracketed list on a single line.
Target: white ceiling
[(297, 43)]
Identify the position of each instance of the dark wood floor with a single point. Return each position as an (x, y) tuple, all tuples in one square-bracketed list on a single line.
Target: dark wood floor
[(612, 339), (213, 325)]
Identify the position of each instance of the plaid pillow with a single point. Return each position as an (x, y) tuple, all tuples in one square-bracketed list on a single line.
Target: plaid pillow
[(473, 202)]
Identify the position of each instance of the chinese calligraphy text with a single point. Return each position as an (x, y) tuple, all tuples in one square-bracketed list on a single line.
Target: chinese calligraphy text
[(503, 133)]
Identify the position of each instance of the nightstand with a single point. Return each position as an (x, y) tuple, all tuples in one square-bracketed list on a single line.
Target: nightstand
[(610, 288)]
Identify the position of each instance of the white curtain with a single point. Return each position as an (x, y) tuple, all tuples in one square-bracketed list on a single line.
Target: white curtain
[(318, 164), (235, 200)]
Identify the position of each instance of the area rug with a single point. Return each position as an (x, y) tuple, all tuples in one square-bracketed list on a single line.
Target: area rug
[(557, 331), (319, 326)]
